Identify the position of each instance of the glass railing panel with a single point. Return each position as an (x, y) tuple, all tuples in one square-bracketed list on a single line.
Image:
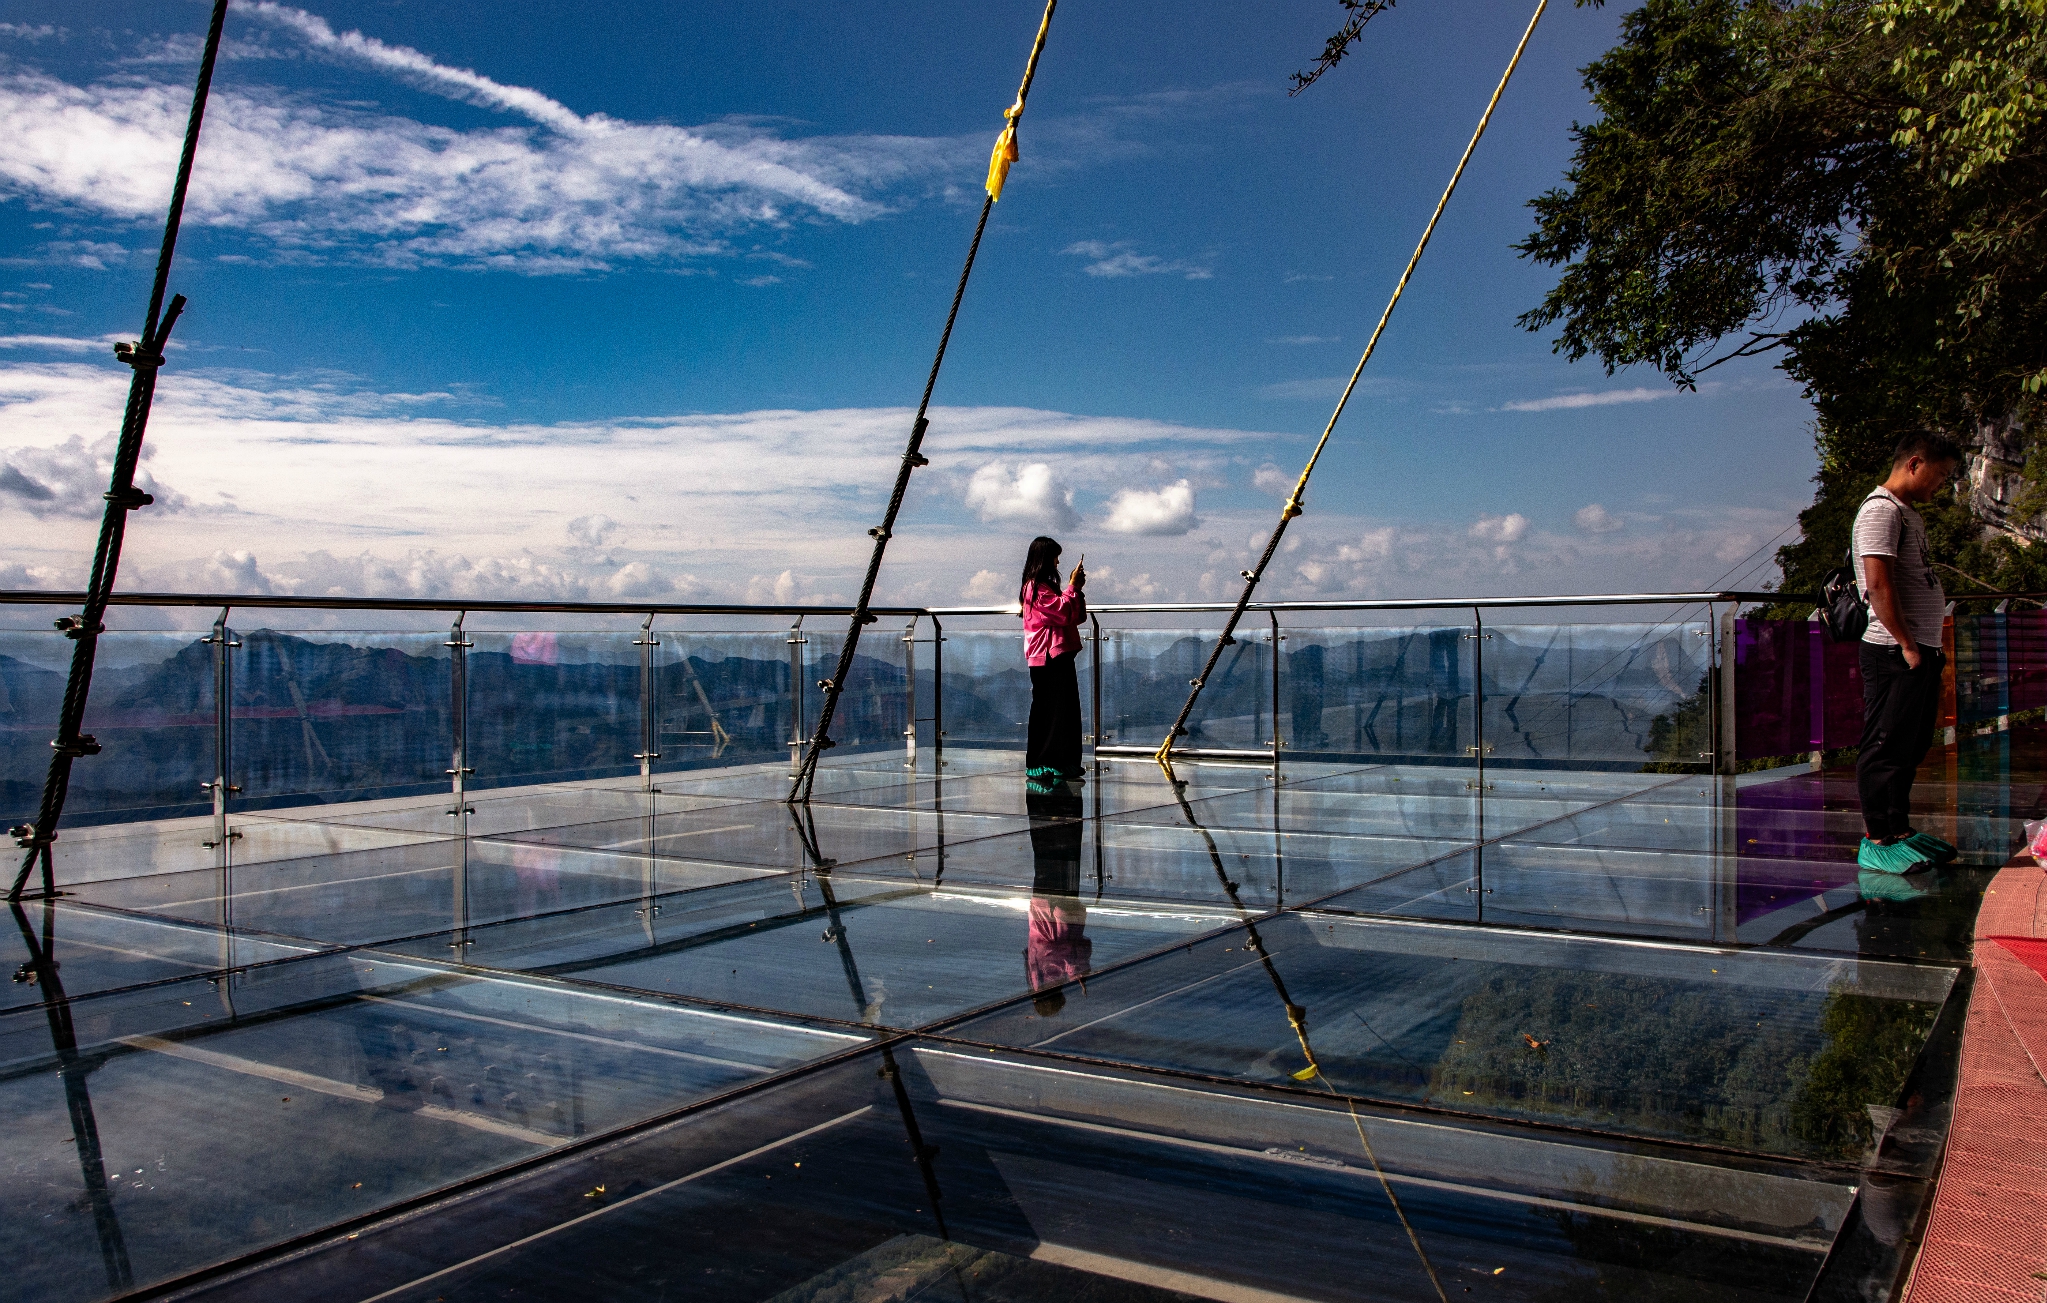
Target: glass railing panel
[(1622, 693), (1147, 674), (988, 687), (332, 716), (724, 699), (151, 711), (548, 706), (1378, 692), (873, 710)]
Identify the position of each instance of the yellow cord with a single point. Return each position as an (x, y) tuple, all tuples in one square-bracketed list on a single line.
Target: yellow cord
[(1293, 502), (1005, 144)]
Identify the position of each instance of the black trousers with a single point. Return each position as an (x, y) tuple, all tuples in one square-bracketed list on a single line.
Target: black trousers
[(1898, 708), (1054, 739)]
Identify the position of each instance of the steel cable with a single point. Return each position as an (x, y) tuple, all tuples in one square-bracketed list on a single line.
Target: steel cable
[(806, 775), (122, 497), (1293, 503)]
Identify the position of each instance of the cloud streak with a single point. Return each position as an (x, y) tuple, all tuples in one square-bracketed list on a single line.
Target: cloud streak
[(1605, 398), (323, 181)]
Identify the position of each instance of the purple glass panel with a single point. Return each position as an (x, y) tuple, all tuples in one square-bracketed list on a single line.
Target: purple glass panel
[(1841, 693), (2025, 651), (1785, 851), (1772, 687)]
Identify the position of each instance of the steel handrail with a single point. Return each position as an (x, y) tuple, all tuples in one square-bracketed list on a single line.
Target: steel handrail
[(272, 601)]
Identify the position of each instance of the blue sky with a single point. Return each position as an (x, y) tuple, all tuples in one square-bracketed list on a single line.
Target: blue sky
[(623, 300)]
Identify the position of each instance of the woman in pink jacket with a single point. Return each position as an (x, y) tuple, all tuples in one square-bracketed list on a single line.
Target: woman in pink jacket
[(1052, 622)]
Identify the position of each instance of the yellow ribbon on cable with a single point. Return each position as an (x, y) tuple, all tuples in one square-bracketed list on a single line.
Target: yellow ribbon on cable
[(1005, 151)]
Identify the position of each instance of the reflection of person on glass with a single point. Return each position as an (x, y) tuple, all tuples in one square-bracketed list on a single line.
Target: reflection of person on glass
[(1052, 621), (1058, 950)]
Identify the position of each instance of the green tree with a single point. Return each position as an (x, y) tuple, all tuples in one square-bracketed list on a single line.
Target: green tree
[(1856, 186)]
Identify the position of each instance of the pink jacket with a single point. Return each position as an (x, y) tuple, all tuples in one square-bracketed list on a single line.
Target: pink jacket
[(1051, 621)]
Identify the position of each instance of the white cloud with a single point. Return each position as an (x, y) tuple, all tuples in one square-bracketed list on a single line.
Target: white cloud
[(71, 479), (988, 586), (1596, 519), (779, 591), (57, 343), (339, 490), (326, 180), (1271, 479), (1500, 529), (1373, 546), (1165, 512), (1565, 402), (1303, 339), (1031, 494), (591, 531), (1316, 388), (1121, 259)]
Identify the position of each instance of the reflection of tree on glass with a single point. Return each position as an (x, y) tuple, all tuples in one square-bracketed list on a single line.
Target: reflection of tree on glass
[(1058, 950)]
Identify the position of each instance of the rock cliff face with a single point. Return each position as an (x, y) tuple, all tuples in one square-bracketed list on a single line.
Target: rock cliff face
[(1996, 458)]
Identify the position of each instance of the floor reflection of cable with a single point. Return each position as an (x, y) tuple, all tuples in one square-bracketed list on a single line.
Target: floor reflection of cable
[(42, 963), (1297, 1017)]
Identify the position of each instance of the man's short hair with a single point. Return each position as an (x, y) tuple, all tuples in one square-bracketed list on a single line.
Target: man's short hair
[(1928, 445)]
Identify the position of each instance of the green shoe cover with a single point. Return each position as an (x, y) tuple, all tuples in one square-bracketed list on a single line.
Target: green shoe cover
[(1898, 857), (1934, 848)]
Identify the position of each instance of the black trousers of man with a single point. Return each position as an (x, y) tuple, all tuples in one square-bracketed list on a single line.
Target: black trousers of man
[(1898, 708), (1054, 739)]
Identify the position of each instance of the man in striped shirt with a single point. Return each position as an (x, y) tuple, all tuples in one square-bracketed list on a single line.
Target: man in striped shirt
[(1901, 652)]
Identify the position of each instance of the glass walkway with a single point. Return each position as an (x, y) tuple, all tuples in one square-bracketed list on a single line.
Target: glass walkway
[(1361, 1033)]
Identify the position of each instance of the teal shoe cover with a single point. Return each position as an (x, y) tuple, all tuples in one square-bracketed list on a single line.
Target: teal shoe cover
[(1934, 848), (1898, 857)]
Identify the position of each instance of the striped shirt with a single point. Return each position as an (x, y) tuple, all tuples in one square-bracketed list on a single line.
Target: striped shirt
[(1888, 526)]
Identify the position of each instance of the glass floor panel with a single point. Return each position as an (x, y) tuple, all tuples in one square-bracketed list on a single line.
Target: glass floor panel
[(1576, 1069), (491, 815), (1755, 1051), (860, 949), (175, 845), (1036, 1180), (1005, 794), (378, 895), (202, 1120), (101, 950), (771, 835), (1109, 861)]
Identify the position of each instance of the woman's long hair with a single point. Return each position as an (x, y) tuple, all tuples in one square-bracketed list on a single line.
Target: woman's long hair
[(1041, 565)]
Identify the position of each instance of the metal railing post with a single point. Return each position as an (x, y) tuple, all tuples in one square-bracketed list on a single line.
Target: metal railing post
[(1727, 761), (650, 717), (1478, 637), (222, 641), (797, 736), (458, 719), (937, 696), (1094, 736), (1276, 743), (910, 694)]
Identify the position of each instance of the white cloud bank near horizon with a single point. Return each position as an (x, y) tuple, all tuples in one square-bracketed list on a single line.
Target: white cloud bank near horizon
[(315, 485)]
